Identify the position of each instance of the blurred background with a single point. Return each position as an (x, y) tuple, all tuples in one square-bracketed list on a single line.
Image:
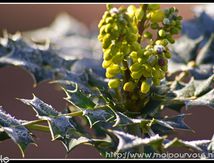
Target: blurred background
[(15, 82)]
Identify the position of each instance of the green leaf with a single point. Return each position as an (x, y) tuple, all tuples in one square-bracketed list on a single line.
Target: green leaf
[(205, 100), (41, 108), (152, 107), (193, 52), (92, 102), (77, 98), (205, 56), (20, 135), (98, 115), (191, 46), (171, 123), (3, 135), (42, 63), (197, 145), (128, 141), (211, 145), (61, 126), (176, 122), (13, 129), (195, 88)]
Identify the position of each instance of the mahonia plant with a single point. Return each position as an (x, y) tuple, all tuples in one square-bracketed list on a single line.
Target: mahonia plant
[(135, 48), (114, 101)]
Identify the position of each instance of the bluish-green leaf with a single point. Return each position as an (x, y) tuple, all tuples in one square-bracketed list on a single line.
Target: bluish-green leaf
[(41, 108), (127, 141), (15, 130), (205, 100)]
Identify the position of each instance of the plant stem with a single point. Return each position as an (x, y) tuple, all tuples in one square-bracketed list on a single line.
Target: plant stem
[(75, 114), (141, 24), (38, 127)]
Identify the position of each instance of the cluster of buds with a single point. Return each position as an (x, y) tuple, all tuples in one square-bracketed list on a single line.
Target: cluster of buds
[(134, 42)]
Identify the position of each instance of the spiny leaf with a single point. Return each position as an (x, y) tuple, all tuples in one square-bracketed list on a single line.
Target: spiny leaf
[(6, 120), (98, 115), (211, 145), (43, 64), (61, 126), (196, 145), (190, 46), (41, 108), (3, 135), (202, 71), (195, 88), (93, 104), (64, 129), (21, 136), (80, 100), (196, 92), (15, 130), (128, 141), (205, 100), (205, 55), (174, 122), (201, 25)]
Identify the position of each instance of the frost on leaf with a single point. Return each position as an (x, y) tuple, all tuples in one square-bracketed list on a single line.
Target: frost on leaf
[(15, 130), (127, 141)]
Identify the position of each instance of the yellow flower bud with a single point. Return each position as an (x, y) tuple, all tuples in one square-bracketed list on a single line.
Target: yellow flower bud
[(157, 16), (113, 69), (162, 33), (133, 55), (168, 55), (108, 75), (131, 10), (107, 54), (145, 87), (108, 28), (117, 59), (135, 67), (106, 64), (106, 41), (129, 86), (136, 74), (114, 83)]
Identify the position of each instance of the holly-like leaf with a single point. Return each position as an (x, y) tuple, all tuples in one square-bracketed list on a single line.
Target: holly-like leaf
[(195, 88), (13, 129), (175, 122), (197, 145), (3, 135), (211, 145), (42, 63), (98, 115), (202, 71), (61, 127), (41, 108), (205, 100), (196, 92), (190, 45), (93, 104), (127, 141), (202, 24), (78, 99), (205, 56)]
